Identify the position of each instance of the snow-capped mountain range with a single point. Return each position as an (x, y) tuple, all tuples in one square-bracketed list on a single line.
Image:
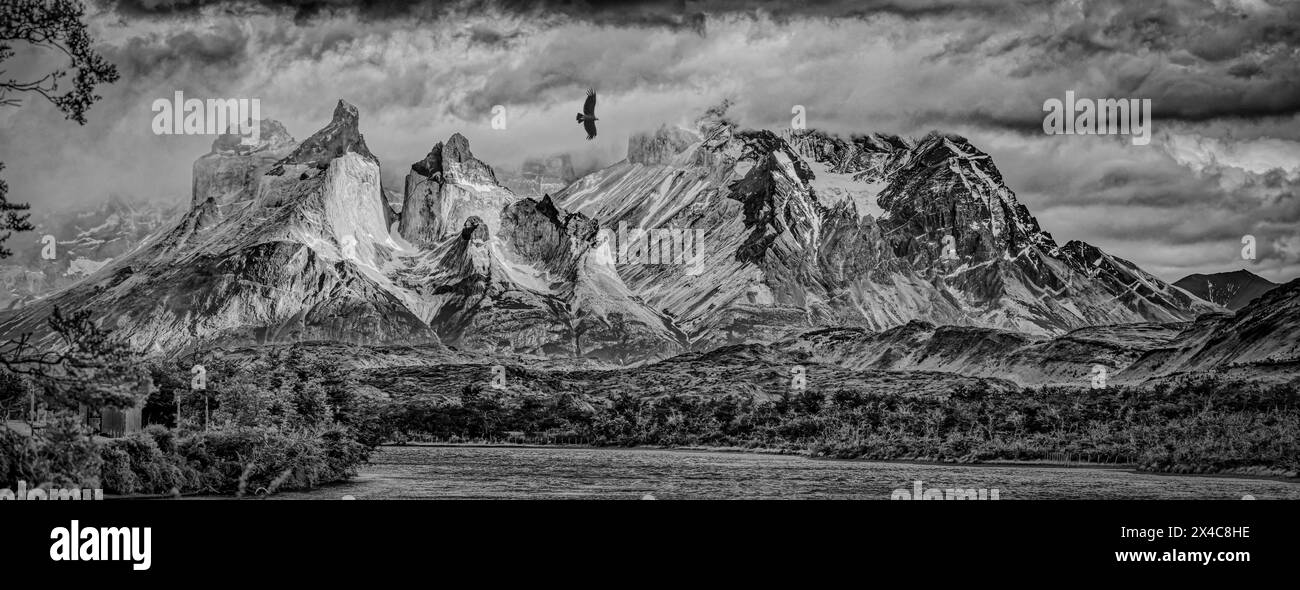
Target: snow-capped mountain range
[(800, 231)]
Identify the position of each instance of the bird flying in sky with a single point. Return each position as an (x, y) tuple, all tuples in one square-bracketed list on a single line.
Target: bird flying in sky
[(587, 118)]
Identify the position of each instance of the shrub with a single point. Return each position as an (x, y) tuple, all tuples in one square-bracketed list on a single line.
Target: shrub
[(137, 464), (60, 454)]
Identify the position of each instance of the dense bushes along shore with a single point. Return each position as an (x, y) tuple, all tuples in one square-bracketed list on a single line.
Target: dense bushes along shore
[(156, 461), (1195, 425), (293, 423), (271, 429)]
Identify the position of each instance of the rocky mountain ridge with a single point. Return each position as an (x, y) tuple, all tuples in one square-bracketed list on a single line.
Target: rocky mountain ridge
[(701, 238)]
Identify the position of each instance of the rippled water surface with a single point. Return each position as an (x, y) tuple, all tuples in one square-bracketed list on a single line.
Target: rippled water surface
[(553, 473)]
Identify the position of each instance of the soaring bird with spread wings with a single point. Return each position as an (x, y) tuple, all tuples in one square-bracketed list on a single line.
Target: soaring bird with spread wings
[(587, 118)]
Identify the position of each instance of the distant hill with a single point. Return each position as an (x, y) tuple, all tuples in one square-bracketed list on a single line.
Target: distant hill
[(1232, 290)]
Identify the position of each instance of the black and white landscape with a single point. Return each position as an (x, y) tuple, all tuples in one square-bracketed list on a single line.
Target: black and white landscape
[(704, 304)]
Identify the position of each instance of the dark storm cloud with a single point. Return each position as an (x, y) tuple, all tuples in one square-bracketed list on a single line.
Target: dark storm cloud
[(1245, 70), (1197, 60), (1116, 178), (222, 48), (303, 8), (647, 13), (625, 12)]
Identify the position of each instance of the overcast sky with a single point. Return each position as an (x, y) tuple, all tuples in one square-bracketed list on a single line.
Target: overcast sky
[(1223, 77)]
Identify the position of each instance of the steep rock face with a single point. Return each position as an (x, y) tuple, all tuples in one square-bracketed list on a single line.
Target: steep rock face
[(228, 174), (421, 204), (269, 292), (1002, 268), (344, 207), (946, 187), (783, 221), (445, 189), (543, 235), (1232, 290)]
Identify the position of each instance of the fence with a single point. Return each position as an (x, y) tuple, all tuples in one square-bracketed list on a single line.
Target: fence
[(517, 439), (1092, 458)]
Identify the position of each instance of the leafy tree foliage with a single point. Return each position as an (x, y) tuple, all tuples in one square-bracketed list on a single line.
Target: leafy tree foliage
[(56, 25), (47, 25)]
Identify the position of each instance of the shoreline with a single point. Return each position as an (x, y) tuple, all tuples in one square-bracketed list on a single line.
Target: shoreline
[(709, 450), (1128, 467)]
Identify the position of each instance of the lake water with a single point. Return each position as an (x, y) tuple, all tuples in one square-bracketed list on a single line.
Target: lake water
[(433, 472)]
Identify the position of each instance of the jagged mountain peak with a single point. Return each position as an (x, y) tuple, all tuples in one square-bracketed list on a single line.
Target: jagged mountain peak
[(458, 148), (548, 236), (954, 144), (341, 136), (546, 206), (1086, 254), (445, 188), (452, 161), (855, 154), (432, 162), (944, 186)]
